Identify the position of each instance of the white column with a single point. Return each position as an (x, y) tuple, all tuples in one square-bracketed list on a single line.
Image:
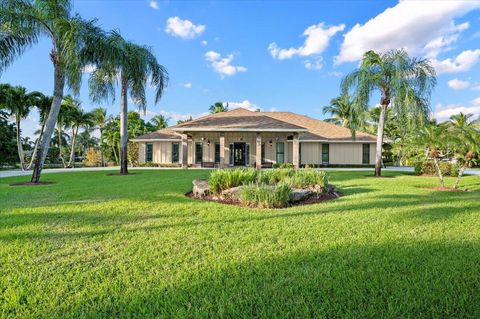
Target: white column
[(184, 151), (222, 150), (296, 149), (258, 152)]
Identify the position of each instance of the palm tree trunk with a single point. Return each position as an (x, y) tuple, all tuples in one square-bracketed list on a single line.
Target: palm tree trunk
[(459, 176), (439, 172), (59, 83), (60, 146), (35, 149), (380, 130), (19, 143), (71, 161), (124, 130), (115, 154), (101, 147)]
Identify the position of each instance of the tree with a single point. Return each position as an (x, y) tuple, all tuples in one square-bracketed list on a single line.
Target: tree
[(467, 141), (218, 107), (132, 65), (100, 119), (43, 104), (160, 121), (8, 149), (75, 43), (78, 118), (19, 103), (190, 118), (403, 83), (433, 138), (345, 114)]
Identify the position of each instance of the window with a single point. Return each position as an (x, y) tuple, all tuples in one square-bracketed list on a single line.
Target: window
[(175, 152), (366, 154), (300, 153), (325, 153), (280, 153), (148, 152), (263, 153), (247, 154), (217, 152), (198, 153)]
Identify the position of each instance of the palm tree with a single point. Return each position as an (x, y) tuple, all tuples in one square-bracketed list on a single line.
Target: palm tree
[(218, 107), (433, 138), (132, 65), (19, 103), (43, 104), (403, 83), (78, 119), (160, 121), (467, 141), (100, 120), (75, 43), (345, 114)]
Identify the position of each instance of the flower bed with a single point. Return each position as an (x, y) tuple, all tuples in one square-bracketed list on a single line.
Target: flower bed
[(276, 188)]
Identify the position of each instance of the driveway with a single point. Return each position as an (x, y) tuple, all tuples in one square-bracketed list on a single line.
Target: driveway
[(9, 173)]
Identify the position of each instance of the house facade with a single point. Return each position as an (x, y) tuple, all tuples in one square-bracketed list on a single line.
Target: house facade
[(259, 139)]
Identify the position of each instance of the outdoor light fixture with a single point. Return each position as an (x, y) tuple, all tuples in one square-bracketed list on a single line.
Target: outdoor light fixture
[(271, 142), (208, 142)]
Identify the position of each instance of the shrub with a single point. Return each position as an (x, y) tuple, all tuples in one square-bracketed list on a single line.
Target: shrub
[(428, 168), (148, 164), (274, 176), (308, 178), (265, 196), (92, 157), (132, 153), (223, 179), (282, 165)]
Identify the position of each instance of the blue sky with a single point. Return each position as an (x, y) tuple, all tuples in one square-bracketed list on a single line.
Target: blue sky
[(277, 55)]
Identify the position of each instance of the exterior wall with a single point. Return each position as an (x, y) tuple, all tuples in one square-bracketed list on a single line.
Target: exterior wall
[(311, 152)]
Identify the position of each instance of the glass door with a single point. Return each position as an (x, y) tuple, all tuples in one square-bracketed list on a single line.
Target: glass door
[(239, 156)]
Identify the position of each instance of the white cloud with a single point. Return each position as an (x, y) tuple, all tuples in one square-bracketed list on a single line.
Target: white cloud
[(461, 63), (187, 85), (425, 27), (246, 104), (458, 84), (314, 64), (153, 4), (317, 39), (184, 29), (335, 74), (443, 112), (204, 42), (476, 87), (223, 66)]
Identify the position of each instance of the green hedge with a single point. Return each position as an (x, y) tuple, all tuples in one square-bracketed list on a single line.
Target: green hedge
[(265, 196), (428, 168)]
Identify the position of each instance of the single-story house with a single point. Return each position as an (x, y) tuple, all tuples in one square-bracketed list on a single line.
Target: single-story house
[(246, 138)]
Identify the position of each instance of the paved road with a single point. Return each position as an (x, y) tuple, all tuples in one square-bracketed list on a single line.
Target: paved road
[(10, 173)]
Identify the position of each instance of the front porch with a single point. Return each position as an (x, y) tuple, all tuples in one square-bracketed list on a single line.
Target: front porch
[(228, 149)]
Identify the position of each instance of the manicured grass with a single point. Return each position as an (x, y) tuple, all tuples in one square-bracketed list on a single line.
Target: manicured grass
[(93, 245)]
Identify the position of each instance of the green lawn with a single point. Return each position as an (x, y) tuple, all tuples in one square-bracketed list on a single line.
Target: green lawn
[(93, 245)]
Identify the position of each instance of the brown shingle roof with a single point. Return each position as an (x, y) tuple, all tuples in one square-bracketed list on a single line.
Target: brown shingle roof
[(244, 120)]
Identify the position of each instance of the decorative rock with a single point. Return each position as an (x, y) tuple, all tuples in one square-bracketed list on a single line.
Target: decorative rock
[(200, 188), (232, 193), (299, 194)]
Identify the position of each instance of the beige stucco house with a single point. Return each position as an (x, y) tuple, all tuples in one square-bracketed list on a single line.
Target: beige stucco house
[(244, 138)]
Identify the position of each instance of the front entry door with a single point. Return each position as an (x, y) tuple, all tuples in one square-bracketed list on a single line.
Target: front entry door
[(239, 157)]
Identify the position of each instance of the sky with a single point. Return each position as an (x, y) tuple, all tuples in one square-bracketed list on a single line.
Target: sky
[(275, 55)]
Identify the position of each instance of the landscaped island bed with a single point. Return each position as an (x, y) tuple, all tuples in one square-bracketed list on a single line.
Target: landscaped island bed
[(92, 245)]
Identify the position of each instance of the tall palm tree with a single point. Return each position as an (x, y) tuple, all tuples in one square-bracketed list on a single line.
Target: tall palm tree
[(218, 107), (19, 103), (75, 43), (433, 138), (402, 82), (43, 104), (345, 114), (100, 119), (132, 65), (467, 141), (160, 121), (78, 119)]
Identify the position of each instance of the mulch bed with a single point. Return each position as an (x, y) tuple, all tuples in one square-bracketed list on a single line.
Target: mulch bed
[(120, 174), (373, 176), (31, 184), (311, 200)]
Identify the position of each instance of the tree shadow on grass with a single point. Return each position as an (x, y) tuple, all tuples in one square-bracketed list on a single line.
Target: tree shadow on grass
[(391, 280)]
